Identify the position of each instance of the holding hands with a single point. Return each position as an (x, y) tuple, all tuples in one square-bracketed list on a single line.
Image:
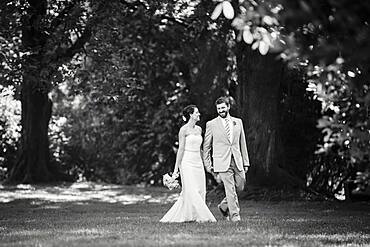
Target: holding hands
[(215, 175)]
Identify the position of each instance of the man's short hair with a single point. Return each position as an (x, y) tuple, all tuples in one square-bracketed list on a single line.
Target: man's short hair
[(221, 100)]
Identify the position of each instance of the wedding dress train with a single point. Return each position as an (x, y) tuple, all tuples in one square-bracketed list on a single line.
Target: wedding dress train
[(191, 205)]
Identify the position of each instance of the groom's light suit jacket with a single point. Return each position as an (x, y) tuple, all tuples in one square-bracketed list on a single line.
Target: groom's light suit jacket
[(218, 150)]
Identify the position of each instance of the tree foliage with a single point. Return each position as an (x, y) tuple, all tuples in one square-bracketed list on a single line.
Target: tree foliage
[(9, 129), (328, 39), (119, 73), (38, 37), (143, 64)]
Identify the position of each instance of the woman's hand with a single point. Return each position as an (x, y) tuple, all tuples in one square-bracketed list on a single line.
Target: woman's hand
[(175, 174)]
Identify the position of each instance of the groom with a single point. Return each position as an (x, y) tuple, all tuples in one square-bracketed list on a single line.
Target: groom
[(224, 143)]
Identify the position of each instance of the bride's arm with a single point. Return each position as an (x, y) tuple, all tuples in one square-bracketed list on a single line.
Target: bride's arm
[(201, 147), (180, 151), (207, 146)]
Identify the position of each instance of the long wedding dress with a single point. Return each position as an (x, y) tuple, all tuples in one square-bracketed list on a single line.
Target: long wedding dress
[(191, 205)]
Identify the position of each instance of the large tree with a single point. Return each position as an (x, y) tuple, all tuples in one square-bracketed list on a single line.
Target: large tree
[(258, 88), (51, 33), (258, 95), (328, 40)]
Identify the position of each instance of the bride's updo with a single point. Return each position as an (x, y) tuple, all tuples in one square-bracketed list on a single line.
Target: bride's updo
[(188, 110)]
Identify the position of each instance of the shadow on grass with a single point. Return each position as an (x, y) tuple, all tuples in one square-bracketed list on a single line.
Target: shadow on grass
[(86, 191), (89, 214)]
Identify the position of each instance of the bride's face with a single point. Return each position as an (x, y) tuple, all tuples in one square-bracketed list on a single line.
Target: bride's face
[(195, 115)]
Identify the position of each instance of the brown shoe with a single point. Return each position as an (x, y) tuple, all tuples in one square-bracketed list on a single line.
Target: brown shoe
[(225, 213)]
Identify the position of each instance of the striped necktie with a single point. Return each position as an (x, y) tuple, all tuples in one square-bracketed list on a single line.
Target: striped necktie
[(227, 128)]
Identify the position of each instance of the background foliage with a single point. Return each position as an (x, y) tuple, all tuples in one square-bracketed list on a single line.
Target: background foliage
[(117, 103), (328, 40)]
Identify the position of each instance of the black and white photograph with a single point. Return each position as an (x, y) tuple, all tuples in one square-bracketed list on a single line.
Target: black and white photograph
[(184, 123)]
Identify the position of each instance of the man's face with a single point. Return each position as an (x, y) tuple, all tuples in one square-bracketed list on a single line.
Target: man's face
[(223, 110)]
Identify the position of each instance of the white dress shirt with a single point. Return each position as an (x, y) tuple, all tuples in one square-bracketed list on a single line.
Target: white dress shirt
[(230, 126)]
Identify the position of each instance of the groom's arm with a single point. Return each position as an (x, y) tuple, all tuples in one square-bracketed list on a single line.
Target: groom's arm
[(207, 146), (243, 148)]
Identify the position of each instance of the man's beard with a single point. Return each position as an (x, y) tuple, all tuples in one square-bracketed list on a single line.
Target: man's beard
[(222, 114)]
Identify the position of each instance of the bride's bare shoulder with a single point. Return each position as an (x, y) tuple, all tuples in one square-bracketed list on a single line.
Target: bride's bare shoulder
[(183, 130)]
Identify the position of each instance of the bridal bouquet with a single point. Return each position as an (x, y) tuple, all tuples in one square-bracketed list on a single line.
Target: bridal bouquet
[(170, 181)]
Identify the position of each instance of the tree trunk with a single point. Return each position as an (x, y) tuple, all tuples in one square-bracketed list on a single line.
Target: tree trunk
[(34, 162), (44, 53), (33, 165), (210, 82), (258, 96)]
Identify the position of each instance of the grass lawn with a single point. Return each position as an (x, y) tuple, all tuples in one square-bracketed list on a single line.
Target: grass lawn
[(96, 215)]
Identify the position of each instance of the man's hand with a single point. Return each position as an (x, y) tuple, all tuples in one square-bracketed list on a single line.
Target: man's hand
[(246, 169), (209, 170), (217, 177)]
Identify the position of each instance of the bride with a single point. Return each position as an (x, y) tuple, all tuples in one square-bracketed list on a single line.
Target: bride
[(191, 205)]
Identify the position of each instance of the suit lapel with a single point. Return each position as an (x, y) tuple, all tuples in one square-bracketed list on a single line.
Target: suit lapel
[(234, 124), (222, 128)]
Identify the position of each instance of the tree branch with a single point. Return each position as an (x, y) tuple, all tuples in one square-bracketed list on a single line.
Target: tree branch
[(64, 54), (133, 4), (136, 4), (38, 6), (61, 17), (79, 44), (174, 20)]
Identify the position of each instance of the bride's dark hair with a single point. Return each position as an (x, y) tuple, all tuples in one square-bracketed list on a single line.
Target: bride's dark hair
[(187, 111)]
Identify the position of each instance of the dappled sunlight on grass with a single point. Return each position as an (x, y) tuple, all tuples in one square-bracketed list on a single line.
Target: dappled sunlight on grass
[(86, 191), (333, 237), (324, 238), (86, 231), (90, 214), (298, 220)]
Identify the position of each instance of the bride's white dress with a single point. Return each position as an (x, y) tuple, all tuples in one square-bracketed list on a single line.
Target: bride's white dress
[(191, 205)]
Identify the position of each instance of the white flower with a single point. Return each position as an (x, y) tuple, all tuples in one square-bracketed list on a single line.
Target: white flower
[(171, 182)]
